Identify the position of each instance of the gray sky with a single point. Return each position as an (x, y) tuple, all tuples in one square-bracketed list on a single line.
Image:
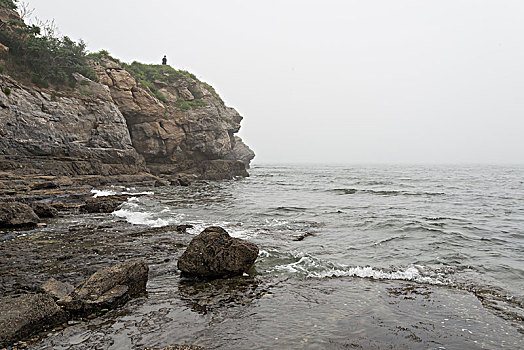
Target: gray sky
[(357, 81)]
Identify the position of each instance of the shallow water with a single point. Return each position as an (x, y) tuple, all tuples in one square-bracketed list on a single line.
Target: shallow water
[(351, 257)]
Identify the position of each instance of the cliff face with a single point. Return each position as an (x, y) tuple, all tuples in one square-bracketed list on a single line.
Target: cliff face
[(117, 126), (191, 131), (78, 134)]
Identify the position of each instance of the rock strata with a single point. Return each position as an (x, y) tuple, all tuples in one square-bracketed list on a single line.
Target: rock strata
[(108, 288), (214, 253), (76, 134)]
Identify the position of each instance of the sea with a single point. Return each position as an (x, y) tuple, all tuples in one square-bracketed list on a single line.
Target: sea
[(351, 257)]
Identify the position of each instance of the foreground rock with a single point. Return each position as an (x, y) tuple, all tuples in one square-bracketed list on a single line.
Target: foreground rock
[(214, 253), (108, 288), (23, 315), (17, 215)]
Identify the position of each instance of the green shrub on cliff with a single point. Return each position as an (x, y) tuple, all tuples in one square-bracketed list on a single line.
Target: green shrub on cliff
[(147, 74), (43, 58), (10, 4), (156, 72), (97, 56)]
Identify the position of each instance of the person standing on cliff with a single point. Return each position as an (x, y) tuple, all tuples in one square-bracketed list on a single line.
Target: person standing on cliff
[(164, 60)]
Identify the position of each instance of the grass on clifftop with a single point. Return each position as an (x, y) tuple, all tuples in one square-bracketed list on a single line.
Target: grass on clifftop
[(42, 58), (147, 74)]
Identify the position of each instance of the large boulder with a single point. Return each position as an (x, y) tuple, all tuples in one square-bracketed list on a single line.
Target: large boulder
[(17, 215), (108, 288), (214, 253), (23, 315)]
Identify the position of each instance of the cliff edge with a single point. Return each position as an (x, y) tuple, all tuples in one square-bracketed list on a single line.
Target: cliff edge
[(105, 117)]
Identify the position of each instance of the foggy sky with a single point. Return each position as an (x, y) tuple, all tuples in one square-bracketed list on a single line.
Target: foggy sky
[(336, 81)]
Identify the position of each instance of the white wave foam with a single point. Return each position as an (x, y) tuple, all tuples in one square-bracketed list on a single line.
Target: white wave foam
[(141, 218), (105, 193), (311, 267), (146, 212), (409, 274), (102, 193)]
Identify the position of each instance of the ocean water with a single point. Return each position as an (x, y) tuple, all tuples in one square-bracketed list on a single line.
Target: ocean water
[(441, 225), (350, 257)]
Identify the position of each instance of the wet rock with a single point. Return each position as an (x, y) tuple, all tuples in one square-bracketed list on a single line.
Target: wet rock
[(102, 204), (203, 296), (44, 210), (57, 289), (214, 253), (26, 314), (182, 228), (162, 183), (183, 182), (108, 288), (17, 215), (223, 169), (301, 236)]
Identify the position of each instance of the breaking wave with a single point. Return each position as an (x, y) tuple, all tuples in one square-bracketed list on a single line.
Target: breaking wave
[(113, 192), (139, 212), (299, 264)]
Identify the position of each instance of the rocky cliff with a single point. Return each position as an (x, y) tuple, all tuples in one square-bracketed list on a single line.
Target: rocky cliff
[(75, 134), (127, 122), (190, 130)]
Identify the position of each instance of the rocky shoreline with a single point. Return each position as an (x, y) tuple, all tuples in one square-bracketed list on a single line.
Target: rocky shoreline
[(38, 272), (128, 119), (119, 124)]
